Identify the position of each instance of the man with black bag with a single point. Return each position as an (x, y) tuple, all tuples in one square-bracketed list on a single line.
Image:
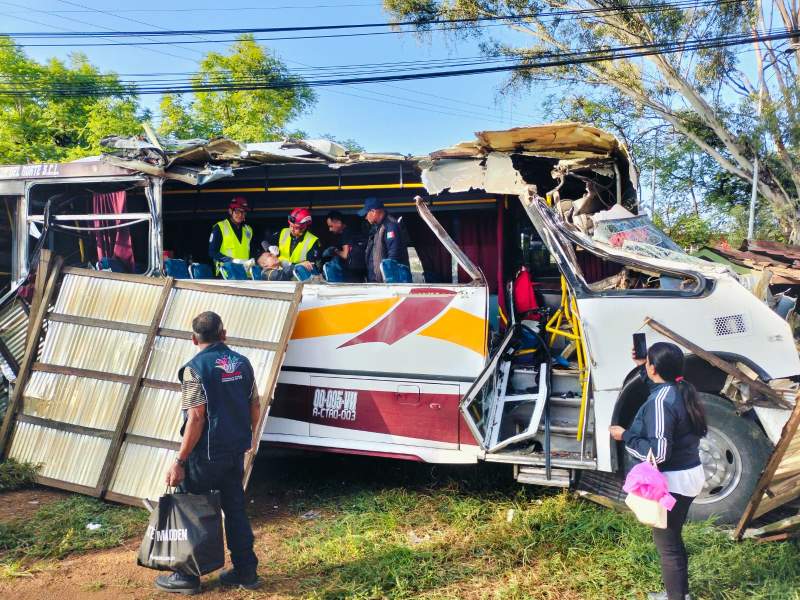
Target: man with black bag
[(221, 411)]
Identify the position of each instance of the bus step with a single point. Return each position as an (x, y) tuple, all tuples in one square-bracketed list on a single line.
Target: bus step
[(538, 476)]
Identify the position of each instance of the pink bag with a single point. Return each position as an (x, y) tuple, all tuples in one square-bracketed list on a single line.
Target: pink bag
[(646, 481)]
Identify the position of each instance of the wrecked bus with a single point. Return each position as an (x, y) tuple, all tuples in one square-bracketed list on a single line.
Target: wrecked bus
[(446, 369)]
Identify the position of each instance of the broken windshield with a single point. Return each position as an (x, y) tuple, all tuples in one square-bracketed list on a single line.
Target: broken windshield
[(638, 235)]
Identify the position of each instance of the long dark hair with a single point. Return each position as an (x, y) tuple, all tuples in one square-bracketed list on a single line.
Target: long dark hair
[(667, 359)]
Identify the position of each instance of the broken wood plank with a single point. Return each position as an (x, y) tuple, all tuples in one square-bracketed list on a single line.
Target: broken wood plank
[(721, 364), (776, 527), (77, 372), (265, 399), (63, 426), (42, 271), (133, 391), (230, 341), (31, 349), (101, 323), (232, 291), (82, 272), (787, 433)]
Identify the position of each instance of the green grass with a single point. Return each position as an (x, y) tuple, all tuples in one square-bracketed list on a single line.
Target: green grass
[(15, 475), (400, 531), (59, 528), (451, 539)]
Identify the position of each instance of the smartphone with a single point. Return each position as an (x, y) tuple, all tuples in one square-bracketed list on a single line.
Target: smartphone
[(639, 345)]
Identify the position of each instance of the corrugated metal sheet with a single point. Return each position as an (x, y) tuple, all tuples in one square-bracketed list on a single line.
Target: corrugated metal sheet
[(93, 348), (170, 354), (108, 299), (244, 317), (70, 457), (140, 471), (82, 412), (157, 415), (13, 328), (76, 400)]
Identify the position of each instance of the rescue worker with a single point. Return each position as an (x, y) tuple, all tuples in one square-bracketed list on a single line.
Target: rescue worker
[(350, 253), (231, 239), (386, 239), (296, 245), (221, 412)]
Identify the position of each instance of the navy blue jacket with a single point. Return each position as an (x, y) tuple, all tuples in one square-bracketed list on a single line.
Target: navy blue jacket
[(394, 245), (227, 379), (662, 425)]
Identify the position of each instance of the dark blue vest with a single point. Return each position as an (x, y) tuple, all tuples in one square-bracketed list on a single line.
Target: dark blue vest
[(227, 379)]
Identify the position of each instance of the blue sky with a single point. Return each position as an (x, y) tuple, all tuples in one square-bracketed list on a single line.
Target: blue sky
[(411, 117)]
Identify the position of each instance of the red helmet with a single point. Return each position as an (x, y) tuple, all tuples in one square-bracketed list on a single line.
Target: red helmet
[(238, 202), (300, 216)]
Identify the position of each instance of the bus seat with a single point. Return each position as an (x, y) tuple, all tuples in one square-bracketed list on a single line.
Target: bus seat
[(201, 271), (395, 272), (333, 272), (176, 267), (303, 274), (232, 270), (111, 264)]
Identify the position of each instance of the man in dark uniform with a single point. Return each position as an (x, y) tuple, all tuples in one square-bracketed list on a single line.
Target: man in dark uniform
[(350, 251), (386, 239), (221, 412)]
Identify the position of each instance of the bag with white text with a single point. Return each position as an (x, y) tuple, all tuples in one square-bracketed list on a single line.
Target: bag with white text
[(184, 535)]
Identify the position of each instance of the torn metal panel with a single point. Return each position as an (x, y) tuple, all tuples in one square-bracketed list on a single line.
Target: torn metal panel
[(557, 140), (496, 174), (327, 150), (76, 403)]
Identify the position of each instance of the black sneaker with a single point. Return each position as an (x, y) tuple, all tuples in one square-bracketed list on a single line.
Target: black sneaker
[(234, 578), (179, 584)]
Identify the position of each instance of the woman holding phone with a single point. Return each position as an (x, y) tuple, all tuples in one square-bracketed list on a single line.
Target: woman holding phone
[(670, 424)]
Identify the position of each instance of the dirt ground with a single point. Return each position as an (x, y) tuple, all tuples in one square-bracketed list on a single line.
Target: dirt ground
[(113, 574)]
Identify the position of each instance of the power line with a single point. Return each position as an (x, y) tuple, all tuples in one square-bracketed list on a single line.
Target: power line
[(82, 22), (664, 6), (215, 10), (539, 61)]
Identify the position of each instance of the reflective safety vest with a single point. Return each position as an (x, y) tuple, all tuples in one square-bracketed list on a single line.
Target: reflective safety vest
[(300, 251), (233, 246)]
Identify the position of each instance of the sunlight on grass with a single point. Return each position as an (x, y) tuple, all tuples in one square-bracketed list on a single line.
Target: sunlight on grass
[(401, 544)]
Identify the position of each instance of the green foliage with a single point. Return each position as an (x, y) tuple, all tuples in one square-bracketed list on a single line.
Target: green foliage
[(15, 475), (59, 529), (49, 126), (689, 230), (707, 97), (243, 115)]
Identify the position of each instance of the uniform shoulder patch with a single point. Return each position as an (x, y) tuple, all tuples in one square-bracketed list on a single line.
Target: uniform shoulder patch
[(390, 235)]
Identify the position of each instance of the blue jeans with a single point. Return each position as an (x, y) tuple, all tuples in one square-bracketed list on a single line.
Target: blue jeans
[(225, 475)]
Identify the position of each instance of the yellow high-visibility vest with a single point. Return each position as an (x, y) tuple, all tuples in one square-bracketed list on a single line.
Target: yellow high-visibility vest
[(231, 245), (300, 251)]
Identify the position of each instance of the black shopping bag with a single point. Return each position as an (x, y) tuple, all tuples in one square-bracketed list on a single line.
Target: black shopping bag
[(184, 535)]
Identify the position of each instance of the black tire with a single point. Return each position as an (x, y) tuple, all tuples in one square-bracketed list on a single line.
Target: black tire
[(743, 449)]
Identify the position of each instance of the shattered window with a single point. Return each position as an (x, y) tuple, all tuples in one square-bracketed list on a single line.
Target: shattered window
[(638, 235)]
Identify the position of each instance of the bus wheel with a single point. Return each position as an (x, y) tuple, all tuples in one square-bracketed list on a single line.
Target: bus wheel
[(733, 455)]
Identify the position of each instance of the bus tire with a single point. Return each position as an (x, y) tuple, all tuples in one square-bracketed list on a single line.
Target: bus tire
[(733, 454)]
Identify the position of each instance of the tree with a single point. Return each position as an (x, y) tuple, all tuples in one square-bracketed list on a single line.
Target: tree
[(243, 115), (693, 91), (47, 125)]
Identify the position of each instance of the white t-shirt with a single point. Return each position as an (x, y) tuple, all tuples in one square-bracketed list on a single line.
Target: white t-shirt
[(686, 482)]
